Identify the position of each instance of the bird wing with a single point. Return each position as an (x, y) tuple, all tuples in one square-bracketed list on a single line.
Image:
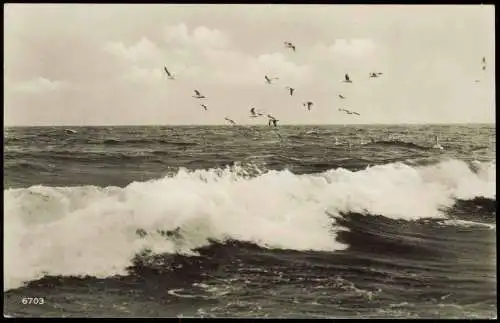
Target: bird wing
[(166, 70), (197, 92)]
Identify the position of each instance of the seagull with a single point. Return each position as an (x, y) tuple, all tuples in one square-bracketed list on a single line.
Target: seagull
[(198, 95), (347, 79), (272, 120), (204, 106), (254, 114), (484, 63), (269, 80), (375, 74), (170, 75), (308, 104), (290, 45), (290, 90), (231, 121), (341, 96), (349, 112)]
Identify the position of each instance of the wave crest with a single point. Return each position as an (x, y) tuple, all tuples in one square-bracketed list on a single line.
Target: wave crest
[(89, 230)]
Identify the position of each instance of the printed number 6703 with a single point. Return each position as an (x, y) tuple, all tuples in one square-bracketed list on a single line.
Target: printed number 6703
[(33, 300)]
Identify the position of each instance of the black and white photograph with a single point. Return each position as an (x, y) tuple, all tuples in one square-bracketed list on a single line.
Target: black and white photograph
[(280, 161)]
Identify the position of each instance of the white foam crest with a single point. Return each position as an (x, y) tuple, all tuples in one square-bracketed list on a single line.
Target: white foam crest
[(92, 231), (405, 192), (468, 224)]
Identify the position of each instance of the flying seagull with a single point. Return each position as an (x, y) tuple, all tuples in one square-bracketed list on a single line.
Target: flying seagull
[(290, 45), (272, 120), (308, 104), (484, 63), (198, 95), (347, 79), (254, 114), (349, 112), (290, 90), (341, 96), (375, 74), (230, 121), (269, 80), (204, 106), (169, 75)]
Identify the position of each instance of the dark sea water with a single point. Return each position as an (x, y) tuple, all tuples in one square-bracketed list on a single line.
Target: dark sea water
[(298, 222)]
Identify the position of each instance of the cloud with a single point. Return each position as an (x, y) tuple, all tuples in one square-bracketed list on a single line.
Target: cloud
[(202, 55), (277, 63), (38, 85), (183, 51), (143, 75), (356, 47), (200, 37), (227, 66), (144, 50)]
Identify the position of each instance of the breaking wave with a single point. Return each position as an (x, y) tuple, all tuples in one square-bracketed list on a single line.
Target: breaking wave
[(89, 230)]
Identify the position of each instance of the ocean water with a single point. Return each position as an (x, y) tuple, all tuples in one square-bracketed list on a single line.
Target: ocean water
[(236, 221)]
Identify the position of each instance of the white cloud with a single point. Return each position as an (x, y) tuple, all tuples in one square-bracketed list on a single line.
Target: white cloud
[(143, 75), (232, 67), (143, 51), (278, 64), (201, 37), (38, 85), (202, 55), (356, 47)]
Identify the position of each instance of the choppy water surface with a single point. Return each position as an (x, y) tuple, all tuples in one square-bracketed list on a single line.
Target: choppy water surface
[(306, 222)]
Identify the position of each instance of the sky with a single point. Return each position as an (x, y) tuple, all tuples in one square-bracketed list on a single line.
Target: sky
[(102, 64)]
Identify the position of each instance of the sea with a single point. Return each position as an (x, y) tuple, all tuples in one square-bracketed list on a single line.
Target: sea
[(333, 221)]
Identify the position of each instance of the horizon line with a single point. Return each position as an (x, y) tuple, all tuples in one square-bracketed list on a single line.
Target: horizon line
[(251, 125)]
